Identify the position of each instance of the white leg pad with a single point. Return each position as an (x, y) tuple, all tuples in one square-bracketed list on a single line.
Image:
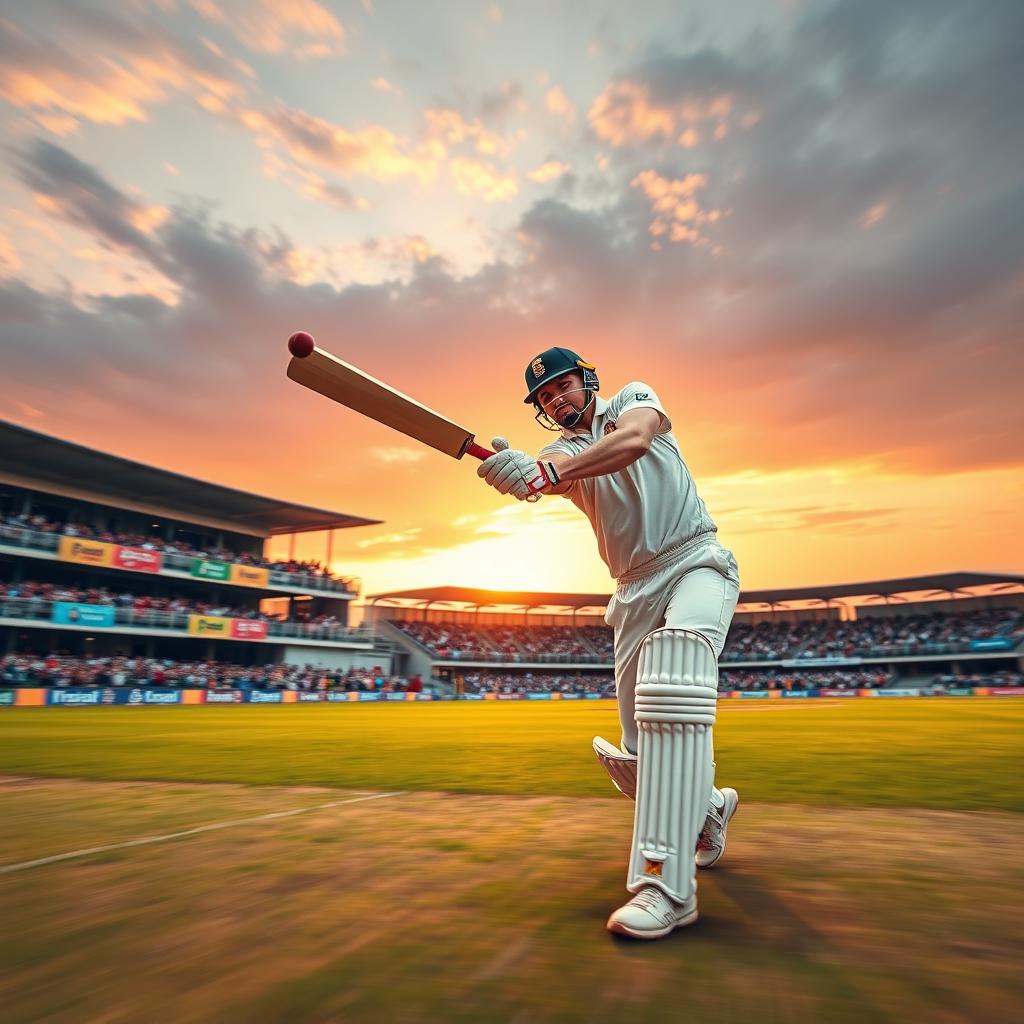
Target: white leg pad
[(676, 692), (619, 764)]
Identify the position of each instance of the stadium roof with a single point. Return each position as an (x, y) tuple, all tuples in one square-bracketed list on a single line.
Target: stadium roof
[(42, 462), (950, 582)]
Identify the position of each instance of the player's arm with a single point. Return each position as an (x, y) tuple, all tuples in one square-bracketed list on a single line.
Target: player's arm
[(634, 431)]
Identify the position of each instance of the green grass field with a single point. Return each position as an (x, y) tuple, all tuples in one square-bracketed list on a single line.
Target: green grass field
[(873, 873), (903, 753)]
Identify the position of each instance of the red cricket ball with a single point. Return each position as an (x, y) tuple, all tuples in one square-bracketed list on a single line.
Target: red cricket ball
[(301, 344)]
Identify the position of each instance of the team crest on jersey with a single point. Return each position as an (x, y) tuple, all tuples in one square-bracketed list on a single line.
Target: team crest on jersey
[(609, 427), (538, 368)]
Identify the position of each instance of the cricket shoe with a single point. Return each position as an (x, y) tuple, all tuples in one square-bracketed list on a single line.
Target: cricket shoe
[(711, 842), (650, 914)]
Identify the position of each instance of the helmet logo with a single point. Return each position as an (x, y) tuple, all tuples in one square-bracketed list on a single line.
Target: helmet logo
[(538, 367)]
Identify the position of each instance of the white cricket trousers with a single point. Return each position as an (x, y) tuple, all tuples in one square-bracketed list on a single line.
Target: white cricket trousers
[(694, 587)]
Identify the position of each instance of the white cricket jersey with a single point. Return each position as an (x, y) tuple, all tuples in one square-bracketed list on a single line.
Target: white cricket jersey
[(646, 509)]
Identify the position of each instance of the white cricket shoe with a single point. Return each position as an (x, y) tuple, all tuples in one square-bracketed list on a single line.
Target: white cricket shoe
[(650, 914), (711, 842)]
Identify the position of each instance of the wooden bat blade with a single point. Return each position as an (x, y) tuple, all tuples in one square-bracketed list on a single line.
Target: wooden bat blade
[(340, 381)]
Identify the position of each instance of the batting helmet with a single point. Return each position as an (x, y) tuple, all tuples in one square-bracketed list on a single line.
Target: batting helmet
[(555, 362)]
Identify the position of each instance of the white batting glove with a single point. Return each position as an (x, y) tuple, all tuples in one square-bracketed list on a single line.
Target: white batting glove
[(510, 471), (499, 461)]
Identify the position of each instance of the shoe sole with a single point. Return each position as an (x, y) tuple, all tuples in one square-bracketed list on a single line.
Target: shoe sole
[(629, 933), (727, 819)]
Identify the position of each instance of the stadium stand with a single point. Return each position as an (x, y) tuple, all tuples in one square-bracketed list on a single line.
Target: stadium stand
[(144, 576), (102, 557), (602, 684), (872, 647), (902, 636), (40, 532), (510, 643), (65, 671)]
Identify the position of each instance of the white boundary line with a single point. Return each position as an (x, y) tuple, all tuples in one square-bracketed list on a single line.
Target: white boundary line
[(10, 868)]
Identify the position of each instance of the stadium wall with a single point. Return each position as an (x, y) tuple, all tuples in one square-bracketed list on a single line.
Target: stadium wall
[(142, 696)]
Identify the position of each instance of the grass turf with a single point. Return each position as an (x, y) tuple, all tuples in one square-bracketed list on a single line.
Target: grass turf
[(461, 908), (437, 905), (940, 754)]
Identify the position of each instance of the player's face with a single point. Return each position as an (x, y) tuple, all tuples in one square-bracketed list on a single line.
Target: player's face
[(563, 396)]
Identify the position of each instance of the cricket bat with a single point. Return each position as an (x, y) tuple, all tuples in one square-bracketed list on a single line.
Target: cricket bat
[(342, 382)]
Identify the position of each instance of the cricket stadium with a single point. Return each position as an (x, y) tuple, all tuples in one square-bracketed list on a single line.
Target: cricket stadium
[(411, 825)]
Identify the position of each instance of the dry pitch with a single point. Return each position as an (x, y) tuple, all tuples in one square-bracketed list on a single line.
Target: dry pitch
[(874, 870)]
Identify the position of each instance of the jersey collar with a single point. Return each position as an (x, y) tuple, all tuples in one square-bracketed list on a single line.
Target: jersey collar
[(600, 408)]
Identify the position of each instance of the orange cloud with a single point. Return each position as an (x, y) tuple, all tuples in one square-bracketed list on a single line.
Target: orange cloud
[(626, 113), (548, 171), (383, 85), (107, 89), (366, 262), (452, 129), (678, 213), (875, 214), (9, 260), (372, 151), (148, 218), (394, 454), (560, 105), (475, 177), (269, 26), (309, 183)]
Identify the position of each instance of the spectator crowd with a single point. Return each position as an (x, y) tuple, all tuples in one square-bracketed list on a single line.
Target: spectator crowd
[(908, 635), (459, 641), (176, 547), (535, 682), (34, 597), (897, 636), (802, 679), (122, 670), (62, 670)]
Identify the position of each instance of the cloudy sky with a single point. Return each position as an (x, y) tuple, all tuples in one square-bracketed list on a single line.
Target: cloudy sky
[(800, 222)]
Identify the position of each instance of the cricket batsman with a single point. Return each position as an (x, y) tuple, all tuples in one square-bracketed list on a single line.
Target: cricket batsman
[(677, 587)]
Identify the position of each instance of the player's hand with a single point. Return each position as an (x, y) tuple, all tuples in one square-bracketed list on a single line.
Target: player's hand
[(498, 463), (510, 471)]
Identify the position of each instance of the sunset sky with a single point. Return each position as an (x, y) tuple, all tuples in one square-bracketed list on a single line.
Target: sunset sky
[(800, 222)]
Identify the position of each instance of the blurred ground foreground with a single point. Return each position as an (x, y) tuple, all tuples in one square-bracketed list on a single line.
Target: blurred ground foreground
[(432, 904)]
